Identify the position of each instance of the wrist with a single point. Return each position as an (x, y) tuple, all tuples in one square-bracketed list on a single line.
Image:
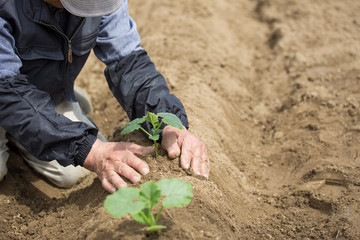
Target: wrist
[(91, 157), (84, 149)]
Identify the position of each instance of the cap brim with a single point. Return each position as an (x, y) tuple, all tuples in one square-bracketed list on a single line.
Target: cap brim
[(91, 8)]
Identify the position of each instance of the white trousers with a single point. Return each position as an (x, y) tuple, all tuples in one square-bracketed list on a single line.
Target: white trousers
[(64, 177)]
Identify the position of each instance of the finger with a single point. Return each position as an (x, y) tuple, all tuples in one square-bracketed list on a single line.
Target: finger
[(205, 164), (148, 150), (116, 180), (181, 138), (136, 163), (129, 173), (140, 150), (108, 186), (204, 171), (186, 155), (196, 161), (169, 143)]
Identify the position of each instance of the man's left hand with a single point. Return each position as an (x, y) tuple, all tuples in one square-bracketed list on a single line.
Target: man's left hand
[(192, 150)]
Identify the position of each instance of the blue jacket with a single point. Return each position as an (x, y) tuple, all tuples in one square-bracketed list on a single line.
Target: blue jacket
[(42, 50)]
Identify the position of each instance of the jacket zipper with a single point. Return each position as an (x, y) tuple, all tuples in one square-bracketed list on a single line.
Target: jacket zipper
[(69, 51)]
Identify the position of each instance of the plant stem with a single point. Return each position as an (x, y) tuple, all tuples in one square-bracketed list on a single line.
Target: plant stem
[(156, 129), (145, 131), (156, 149), (152, 216), (155, 143), (158, 215), (146, 219)]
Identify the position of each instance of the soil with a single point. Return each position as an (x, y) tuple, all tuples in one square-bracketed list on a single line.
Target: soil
[(273, 89)]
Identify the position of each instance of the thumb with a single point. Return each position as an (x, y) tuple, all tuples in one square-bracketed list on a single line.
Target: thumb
[(138, 149), (148, 150), (169, 143)]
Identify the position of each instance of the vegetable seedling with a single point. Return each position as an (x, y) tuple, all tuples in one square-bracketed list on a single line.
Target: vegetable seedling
[(167, 118), (140, 203)]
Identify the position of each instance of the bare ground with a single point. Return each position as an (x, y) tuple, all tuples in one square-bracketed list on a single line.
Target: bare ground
[(273, 89)]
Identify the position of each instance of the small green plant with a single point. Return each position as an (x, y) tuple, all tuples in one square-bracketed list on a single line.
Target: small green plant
[(167, 118), (140, 203)]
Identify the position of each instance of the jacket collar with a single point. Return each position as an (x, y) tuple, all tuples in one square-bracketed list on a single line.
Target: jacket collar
[(39, 12)]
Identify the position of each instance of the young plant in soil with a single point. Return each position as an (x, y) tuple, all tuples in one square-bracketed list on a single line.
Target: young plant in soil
[(140, 203), (167, 118)]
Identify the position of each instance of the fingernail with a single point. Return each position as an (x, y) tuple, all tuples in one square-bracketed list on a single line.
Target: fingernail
[(206, 176), (187, 166), (145, 171), (123, 185), (135, 179), (113, 189), (198, 172)]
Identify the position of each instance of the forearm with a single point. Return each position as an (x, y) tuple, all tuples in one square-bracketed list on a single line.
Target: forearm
[(139, 88), (30, 117)]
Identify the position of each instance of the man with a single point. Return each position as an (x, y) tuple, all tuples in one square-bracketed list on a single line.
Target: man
[(43, 46)]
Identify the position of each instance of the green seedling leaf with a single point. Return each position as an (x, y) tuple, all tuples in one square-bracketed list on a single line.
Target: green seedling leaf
[(155, 137), (123, 202), (152, 117), (132, 126), (155, 228), (171, 119), (167, 118), (150, 194), (177, 193), (140, 203)]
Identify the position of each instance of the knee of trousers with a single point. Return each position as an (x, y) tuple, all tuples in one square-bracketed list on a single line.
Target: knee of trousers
[(68, 177), (3, 159), (63, 177), (4, 155)]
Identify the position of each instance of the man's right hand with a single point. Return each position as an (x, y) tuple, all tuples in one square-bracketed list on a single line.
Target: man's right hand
[(110, 160)]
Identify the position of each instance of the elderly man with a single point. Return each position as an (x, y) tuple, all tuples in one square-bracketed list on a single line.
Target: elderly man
[(43, 46)]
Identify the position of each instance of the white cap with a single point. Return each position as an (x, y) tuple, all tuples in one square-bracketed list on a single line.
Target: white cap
[(91, 8)]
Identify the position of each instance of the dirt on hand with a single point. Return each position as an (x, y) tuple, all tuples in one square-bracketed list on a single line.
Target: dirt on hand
[(273, 89)]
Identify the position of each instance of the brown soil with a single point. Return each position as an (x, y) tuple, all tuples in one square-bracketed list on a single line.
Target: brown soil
[(273, 89)]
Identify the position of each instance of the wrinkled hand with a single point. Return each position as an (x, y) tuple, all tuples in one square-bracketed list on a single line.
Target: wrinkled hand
[(110, 160), (192, 149)]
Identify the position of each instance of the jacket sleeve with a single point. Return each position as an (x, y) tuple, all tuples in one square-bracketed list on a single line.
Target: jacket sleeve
[(139, 88), (130, 73), (30, 117)]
